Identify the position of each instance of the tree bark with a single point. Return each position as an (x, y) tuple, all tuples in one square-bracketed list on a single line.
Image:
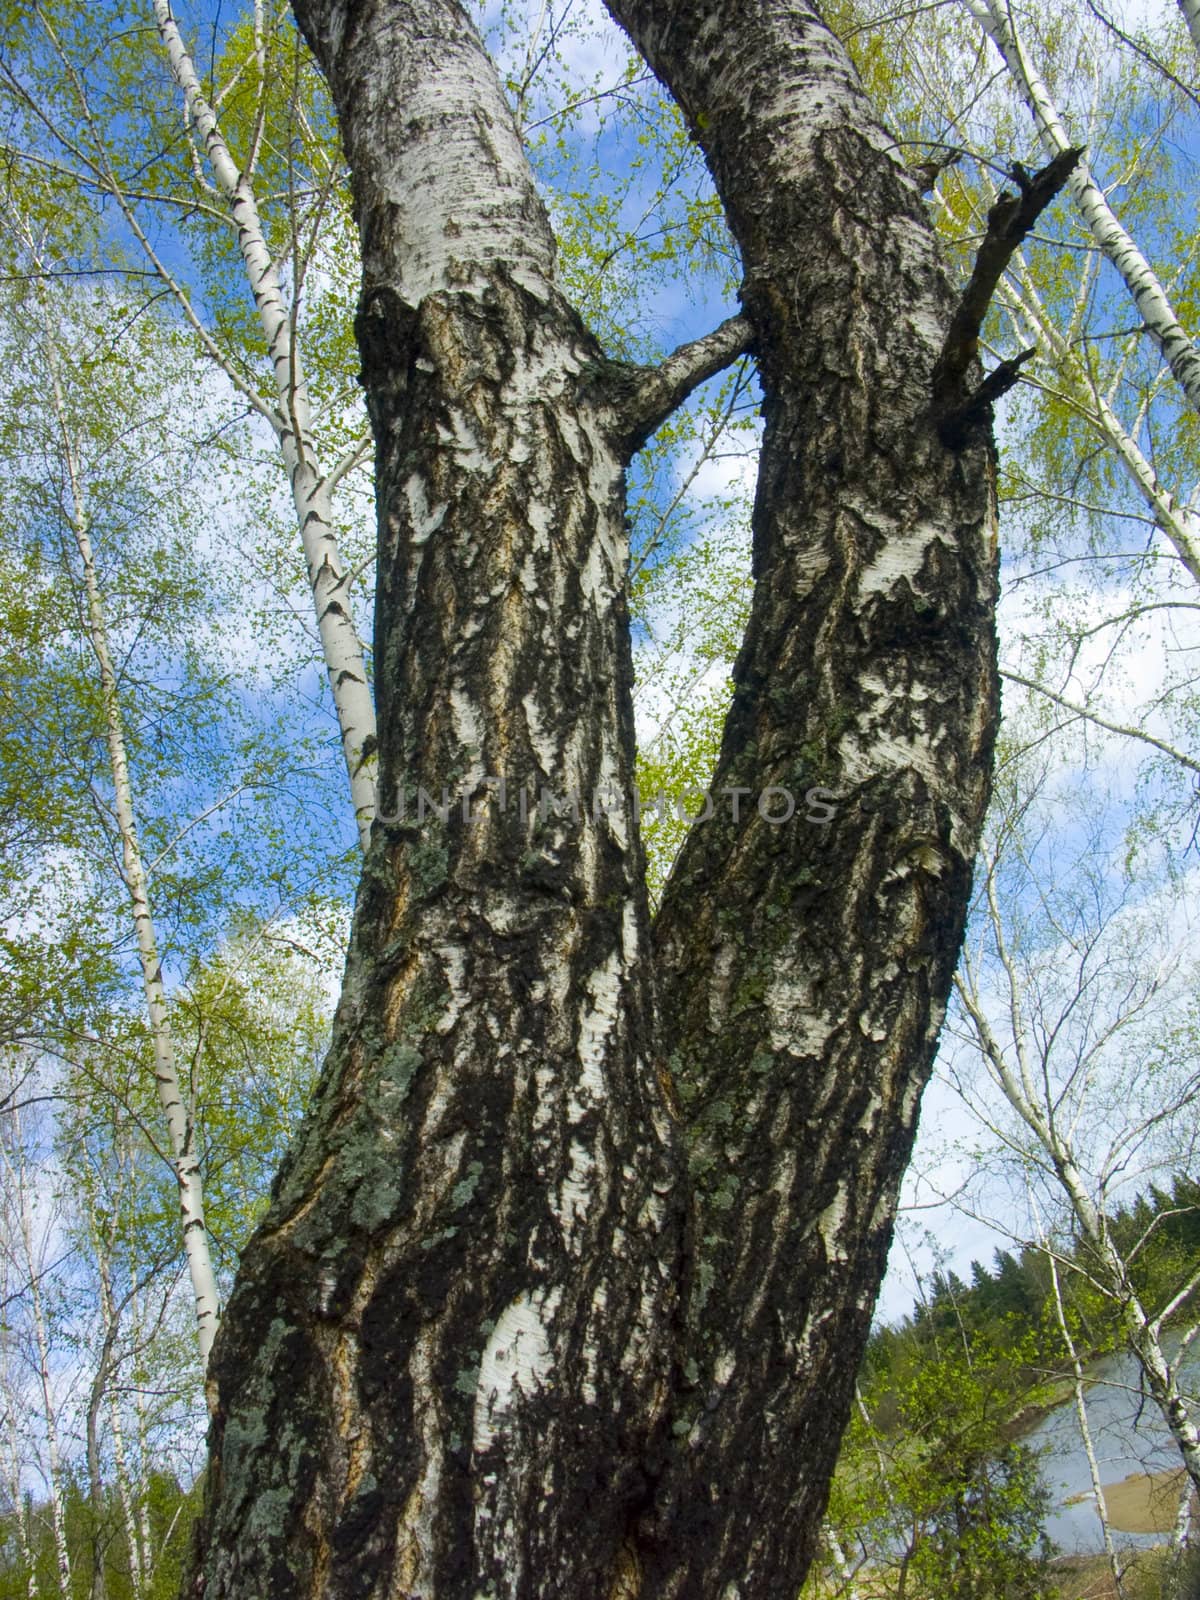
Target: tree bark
[(565, 1280), (1191, 15)]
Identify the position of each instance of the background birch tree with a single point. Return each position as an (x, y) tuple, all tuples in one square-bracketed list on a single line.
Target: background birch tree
[(82, 123), (1077, 1005), (146, 755)]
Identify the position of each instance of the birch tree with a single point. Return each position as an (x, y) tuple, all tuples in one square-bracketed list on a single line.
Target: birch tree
[(73, 127), (28, 1244), (291, 418), (170, 1081), (167, 1075), (129, 662), (1078, 1013), (565, 1279)]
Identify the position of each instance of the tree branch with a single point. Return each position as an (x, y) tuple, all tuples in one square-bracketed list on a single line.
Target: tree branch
[(358, 451), (1122, 728), (646, 396), (1010, 219)]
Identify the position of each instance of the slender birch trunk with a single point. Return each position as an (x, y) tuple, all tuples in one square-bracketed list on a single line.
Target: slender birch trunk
[(125, 1493), (18, 1496), (95, 1469), (1181, 1532), (311, 491), (1016, 1080), (149, 1557), (846, 1584), (1085, 1431), (1153, 304), (1142, 1332), (110, 1318), (167, 1076), (498, 1335), (881, 1461), (1176, 521), (14, 1163), (100, 1398)]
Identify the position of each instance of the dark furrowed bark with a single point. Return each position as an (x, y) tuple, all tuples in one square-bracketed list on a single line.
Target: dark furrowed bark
[(804, 966), (445, 1354), (469, 1352)]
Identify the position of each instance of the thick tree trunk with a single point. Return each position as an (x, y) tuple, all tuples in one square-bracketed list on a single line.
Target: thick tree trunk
[(477, 1221), (804, 968), (492, 1339)]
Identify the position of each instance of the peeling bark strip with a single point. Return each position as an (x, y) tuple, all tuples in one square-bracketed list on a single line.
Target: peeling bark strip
[(492, 1339)]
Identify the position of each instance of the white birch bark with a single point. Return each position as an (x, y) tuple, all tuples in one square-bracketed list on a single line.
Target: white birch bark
[(1191, 15), (1148, 294), (16, 1495), (167, 1076), (149, 1556), (846, 1585), (1085, 1431), (311, 491), (1181, 1532)]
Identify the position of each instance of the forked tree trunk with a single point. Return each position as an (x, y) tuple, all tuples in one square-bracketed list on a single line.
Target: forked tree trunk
[(565, 1280)]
